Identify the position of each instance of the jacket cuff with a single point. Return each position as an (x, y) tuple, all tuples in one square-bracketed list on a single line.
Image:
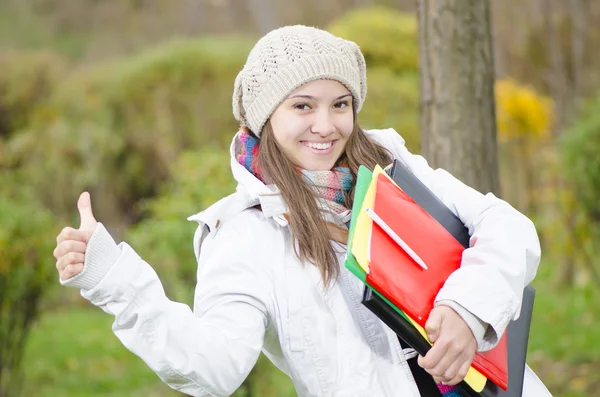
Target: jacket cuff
[(100, 255), (478, 327)]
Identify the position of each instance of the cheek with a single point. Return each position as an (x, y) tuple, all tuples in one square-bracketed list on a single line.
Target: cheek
[(292, 129), (346, 125)]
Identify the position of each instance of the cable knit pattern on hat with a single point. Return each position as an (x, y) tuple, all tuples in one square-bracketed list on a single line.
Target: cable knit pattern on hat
[(287, 58)]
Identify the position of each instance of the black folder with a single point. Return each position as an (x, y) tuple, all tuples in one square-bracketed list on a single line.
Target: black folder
[(518, 331)]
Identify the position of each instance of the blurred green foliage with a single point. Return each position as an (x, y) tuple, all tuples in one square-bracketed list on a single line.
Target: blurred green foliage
[(388, 40), (574, 229), (581, 158), (27, 79), (393, 101), (26, 243), (386, 37), (115, 128), (163, 237)]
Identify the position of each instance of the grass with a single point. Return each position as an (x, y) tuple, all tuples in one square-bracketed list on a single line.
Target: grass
[(563, 345), (566, 321), (73, 352)]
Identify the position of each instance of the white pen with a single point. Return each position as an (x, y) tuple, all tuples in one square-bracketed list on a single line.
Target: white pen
[(375, 218)]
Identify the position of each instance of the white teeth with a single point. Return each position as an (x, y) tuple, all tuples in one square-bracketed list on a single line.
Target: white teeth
[(320, 146)]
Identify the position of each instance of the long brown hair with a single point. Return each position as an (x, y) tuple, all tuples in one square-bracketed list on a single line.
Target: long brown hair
[(306, 223)]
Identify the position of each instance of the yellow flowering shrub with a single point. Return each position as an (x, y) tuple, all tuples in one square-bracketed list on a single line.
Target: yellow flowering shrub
[(521, 112)]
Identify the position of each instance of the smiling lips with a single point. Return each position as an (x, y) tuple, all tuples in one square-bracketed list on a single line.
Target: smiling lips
[(318, 146)]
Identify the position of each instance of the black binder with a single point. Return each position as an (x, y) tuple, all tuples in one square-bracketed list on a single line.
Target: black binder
[(518, 331)]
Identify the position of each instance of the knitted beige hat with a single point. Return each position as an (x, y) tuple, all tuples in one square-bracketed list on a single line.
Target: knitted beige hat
[(288, 57)]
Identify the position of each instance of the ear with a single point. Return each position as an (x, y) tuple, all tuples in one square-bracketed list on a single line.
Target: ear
[(237, 104)]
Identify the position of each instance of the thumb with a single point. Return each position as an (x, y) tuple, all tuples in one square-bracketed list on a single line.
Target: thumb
[(84, 205), (433, 325)]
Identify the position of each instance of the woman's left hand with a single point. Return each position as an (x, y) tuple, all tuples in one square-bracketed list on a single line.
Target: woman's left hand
[(454, 346)]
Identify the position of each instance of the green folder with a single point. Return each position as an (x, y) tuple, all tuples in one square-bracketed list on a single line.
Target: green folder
[(363, 181)]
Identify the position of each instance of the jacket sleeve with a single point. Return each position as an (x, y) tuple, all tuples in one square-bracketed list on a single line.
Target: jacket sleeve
[(208, 352), (504, 250)]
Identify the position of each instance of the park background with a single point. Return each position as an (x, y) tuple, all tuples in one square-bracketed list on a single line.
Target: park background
[(131, 100)]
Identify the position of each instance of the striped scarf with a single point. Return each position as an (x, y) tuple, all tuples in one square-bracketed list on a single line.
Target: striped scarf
[(329, 185)]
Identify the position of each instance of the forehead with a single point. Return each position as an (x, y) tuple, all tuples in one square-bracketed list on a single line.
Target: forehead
[(321, 88)]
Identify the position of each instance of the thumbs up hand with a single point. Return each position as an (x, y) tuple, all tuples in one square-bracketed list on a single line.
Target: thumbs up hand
[(71, 243)]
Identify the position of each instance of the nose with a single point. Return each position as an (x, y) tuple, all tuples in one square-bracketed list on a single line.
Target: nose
[(323, 124)]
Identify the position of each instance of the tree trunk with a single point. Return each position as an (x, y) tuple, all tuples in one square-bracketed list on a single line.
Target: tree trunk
[(458, 118)]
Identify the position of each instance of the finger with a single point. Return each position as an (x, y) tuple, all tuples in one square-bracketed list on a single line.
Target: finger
[(446, 364), (456, 354), (69, 259), (71, 271), (69, 246), (433, 324), (84, 205), (68, 233), (461, 374), (450, 375), (433, 356)]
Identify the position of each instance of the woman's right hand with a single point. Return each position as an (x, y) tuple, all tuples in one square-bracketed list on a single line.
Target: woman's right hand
[(71, 243)]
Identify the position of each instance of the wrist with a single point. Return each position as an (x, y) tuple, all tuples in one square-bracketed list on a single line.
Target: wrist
[(477, 327)]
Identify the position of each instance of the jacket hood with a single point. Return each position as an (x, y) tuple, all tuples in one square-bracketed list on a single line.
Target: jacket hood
[(250, 191), (252, 188)]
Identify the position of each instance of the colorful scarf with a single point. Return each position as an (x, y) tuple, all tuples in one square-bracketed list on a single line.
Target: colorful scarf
[(330, 185)]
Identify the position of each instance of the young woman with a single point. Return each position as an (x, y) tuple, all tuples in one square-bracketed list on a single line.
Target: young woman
[(270, 271)]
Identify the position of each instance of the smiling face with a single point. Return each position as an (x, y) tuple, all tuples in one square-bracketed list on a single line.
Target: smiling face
[(313, 124)]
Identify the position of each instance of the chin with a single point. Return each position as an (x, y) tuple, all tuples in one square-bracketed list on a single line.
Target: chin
[(319, 167), (323, 165)]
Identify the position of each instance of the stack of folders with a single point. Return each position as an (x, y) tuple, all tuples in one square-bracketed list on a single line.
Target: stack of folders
[(403, 244)]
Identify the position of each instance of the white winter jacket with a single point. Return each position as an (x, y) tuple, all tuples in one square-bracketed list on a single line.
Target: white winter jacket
[(254, 294)]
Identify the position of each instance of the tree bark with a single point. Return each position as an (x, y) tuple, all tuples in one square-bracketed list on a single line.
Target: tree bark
[(458, 117)]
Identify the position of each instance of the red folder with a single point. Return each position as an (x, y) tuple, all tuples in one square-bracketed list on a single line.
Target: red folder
[(401, 280)]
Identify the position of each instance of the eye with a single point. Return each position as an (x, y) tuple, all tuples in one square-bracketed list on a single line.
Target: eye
[(341, 104), (302, 106)]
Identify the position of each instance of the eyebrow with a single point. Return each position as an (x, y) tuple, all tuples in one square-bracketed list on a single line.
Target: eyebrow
[(313, 98)]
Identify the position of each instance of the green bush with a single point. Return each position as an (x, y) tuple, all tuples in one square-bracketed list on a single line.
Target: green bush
[(388, 40), (26, 80), (115, 128), (26, 243), (164, 237), (393, 102), (581, 158), (386, 37)]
